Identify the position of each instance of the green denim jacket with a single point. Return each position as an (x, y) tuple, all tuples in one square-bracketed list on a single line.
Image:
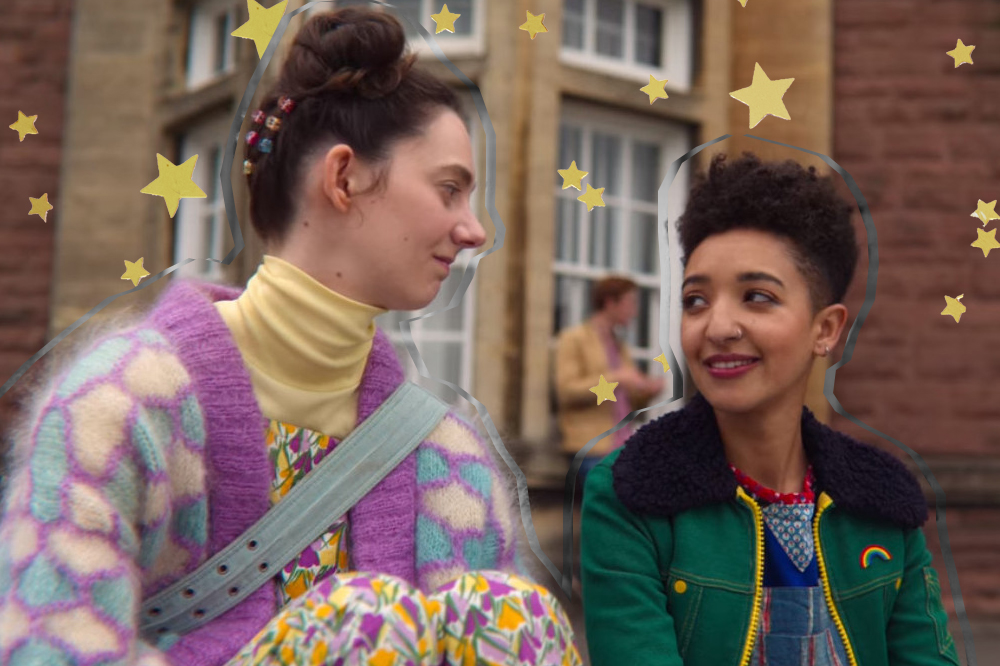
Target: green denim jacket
[(673, 552)]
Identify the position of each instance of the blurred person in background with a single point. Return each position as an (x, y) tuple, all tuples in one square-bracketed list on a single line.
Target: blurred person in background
[(584, 353)]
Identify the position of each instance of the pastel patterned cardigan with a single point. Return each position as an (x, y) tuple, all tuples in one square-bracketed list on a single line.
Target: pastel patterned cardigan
[(148, 456)]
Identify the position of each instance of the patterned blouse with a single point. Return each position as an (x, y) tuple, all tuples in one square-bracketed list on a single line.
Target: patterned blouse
[(294, 452)]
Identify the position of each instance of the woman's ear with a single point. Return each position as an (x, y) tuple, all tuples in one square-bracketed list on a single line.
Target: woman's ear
[(831, 321), (340, 167)]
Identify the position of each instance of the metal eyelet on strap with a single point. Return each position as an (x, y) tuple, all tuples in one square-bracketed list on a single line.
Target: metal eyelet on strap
[(153, 612), (263, 567), (233, 591), (252, 544), (222, 570), (188, 593), (199, 613)]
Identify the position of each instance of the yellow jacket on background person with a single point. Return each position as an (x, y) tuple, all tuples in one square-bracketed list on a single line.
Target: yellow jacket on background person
[(580, 361)]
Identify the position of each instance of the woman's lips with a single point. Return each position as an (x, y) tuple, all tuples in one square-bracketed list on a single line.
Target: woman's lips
[(729, 373)]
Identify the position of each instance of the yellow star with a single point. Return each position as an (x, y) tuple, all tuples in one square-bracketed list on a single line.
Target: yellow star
[(954, 308), (987, 241), (764, 96), (654, 89), (533, 25), (605, 390), (986, 211), (961, 53), (40, 206), (742, 2), (572, 176), (592, 197), (662, 360), (134, 271), (24, 125), (174, 183), (262, 24), (444, 20)]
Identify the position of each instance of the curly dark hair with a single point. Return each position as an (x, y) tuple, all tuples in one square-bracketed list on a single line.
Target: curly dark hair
[(786, 200)]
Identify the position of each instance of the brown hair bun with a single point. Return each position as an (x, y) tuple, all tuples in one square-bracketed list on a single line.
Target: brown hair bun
[(353, 51)]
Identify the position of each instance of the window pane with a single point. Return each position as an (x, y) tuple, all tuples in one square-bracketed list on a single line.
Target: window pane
[(605, 236), (645, 171), (570, 148), (567, 230), (572, 301), (607, 156), (573, 24), (648, 35), (644, 320), (643, 248), (208, 223), (222, 38), (213, 162), (410, 9), (610, 27), (444, 361), (452, 319)]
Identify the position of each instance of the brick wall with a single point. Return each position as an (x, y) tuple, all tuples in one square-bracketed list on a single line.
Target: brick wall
[(922, 140), (34, 47)]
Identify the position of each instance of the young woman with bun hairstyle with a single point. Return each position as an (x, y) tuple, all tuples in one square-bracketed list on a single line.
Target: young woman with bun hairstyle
[(170, 436), (739, 529)]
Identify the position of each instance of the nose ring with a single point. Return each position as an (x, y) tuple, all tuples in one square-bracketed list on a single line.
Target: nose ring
[(739, 333)]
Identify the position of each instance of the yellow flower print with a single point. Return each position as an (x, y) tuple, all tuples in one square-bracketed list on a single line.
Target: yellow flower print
[(382, 658), (510, 619), (318, 657)]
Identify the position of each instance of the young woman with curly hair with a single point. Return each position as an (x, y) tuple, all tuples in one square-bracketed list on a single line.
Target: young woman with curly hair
[(740, 530)]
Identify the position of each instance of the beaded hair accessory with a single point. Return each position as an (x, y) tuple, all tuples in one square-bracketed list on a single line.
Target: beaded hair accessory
[(261, 123)]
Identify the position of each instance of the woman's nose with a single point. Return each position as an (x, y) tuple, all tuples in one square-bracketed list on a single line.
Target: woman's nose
[(721, 326), (470, 233)]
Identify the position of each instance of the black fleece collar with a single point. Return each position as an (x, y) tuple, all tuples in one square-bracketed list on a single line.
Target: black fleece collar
[(677, 462)]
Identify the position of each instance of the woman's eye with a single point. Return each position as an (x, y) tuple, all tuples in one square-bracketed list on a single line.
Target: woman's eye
[(766, 297), (452, 189), (689, 301)]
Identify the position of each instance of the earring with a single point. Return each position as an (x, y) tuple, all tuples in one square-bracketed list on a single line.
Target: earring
[(827, 351)]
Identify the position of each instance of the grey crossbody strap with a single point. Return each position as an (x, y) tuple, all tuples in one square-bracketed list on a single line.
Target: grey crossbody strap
[(354, 467)]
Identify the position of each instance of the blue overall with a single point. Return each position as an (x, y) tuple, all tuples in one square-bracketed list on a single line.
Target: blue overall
[(795, 628)]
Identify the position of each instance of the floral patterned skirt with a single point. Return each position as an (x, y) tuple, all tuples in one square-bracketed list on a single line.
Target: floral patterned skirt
[(481, 618)]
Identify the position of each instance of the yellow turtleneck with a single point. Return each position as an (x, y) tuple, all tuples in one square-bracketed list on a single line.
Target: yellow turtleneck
[(304, 345)]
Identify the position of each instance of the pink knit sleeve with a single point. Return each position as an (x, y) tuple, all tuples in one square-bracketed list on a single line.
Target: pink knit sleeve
[(76, 519)]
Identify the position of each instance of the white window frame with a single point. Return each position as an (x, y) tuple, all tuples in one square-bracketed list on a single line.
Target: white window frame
[(674, 142), (419, 331), (190, 233), (677, 40), (202, 45), (452, 45)]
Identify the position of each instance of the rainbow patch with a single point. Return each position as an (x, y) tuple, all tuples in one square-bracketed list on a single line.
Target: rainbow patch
[(873, 551)]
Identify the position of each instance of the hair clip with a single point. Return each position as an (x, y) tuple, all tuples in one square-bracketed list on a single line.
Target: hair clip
[(273, 123), (258, 117), (252, 137), (286, 104), (247, 167), (265, 145)]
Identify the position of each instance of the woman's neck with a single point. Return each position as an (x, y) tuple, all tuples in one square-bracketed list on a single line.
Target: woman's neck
[(298, 332), (767, 445)]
